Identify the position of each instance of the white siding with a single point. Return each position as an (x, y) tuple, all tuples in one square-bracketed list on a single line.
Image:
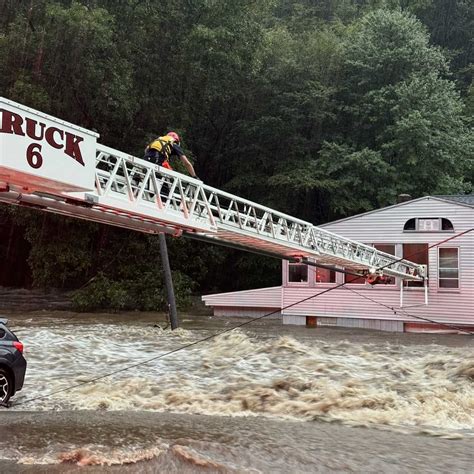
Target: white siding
[(344, 307), (386, 226), (388, 222), (247, 312), (296, 320), (377, 324), (260, 298)]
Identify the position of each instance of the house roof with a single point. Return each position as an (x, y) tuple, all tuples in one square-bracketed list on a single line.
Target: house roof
[(460, 199)]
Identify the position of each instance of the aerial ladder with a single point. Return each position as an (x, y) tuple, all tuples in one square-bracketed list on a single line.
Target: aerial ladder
[(55, 166)]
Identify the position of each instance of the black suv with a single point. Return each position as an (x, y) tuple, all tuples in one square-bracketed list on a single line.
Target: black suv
[(12, 363)]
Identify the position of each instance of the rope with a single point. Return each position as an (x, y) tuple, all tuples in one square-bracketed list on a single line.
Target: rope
[(213, 336), (185, 346)]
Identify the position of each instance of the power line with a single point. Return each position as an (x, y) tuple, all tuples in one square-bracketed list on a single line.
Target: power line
[(401, 310), (437, 244), (212, 336), (185, 346)]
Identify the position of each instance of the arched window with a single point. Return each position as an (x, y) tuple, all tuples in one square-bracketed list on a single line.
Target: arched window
[(446, 224), (410, 224), (428, 224)]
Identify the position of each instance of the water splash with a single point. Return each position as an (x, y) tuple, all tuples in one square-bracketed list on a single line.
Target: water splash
[(244, 374)]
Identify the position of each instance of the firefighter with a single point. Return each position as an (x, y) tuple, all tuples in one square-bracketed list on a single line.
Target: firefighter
[(160, 150)]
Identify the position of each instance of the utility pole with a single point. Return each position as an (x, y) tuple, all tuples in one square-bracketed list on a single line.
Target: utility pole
[(168, 281)]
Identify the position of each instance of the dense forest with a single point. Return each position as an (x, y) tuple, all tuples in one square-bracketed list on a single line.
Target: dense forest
[(318, 108)]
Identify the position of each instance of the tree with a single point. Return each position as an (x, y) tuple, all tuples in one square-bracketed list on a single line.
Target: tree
[(320, 109), (397, 103), (293, 113), (65, 61), (451, 25)]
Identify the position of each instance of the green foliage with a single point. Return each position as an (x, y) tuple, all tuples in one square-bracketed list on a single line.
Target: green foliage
[(65, 60), (348, 177), (131, 277), (146, 293), (60, 252), (397, 107), (386, 47), (428, 141), (102, 293), (451, 25), (320, 109)]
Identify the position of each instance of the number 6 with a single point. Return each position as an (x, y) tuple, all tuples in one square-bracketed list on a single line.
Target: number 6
[(34, 158)]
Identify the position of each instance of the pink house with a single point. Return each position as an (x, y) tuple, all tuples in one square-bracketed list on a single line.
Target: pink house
[(437, 231)]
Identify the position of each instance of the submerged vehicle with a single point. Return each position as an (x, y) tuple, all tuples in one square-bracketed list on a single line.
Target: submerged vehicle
[(12, 363)]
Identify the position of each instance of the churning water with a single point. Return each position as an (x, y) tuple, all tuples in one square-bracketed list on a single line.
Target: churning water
[(282, 374)]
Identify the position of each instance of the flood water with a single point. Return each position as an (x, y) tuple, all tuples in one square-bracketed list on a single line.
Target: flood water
[(263, 398)]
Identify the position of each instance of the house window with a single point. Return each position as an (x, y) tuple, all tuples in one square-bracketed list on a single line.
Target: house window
[(416, 253), (390, 249), (297, 273), (448, 267), (428, 224), (410, 224), (348, 278), (325, 275), (446, 224)]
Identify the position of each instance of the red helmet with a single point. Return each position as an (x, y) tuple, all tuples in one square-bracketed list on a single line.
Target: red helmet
[(174, 136)]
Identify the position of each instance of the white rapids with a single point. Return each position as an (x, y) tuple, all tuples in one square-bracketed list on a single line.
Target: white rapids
[(429, 388)]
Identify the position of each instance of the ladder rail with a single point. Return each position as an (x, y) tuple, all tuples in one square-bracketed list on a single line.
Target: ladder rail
[(137, 180), (84, 179)]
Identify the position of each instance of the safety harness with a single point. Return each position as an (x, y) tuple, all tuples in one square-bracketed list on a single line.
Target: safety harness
[(164, 147)]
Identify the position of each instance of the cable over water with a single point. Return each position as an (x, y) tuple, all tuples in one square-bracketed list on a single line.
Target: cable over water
[(223, 332)]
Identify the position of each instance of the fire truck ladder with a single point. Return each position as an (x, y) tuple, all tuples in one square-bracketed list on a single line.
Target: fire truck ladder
[(118, 189), (134, 194)]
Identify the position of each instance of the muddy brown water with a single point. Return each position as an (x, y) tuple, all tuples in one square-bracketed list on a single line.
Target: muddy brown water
[(264, 398)]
